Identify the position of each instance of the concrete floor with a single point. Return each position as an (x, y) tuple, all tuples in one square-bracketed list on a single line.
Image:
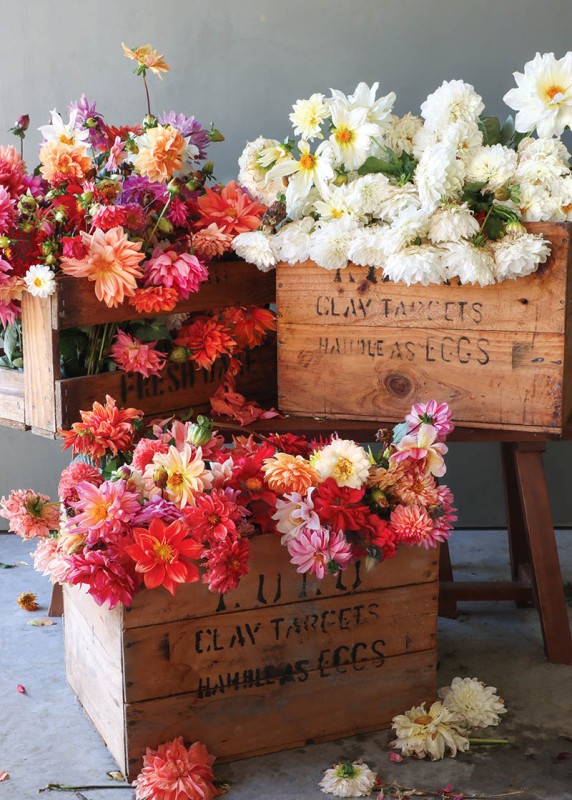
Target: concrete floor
[(45, 737)]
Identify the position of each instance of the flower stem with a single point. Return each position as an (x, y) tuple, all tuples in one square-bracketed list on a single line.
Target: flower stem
[(159, 218), (489, 741), (147, 94), (60, 787)]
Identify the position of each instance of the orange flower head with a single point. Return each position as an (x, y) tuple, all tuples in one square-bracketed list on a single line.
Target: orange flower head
[(163, 554), (28, 601), (285, 473), (249, 325), (212, 242), (207, 340), (231, 208), (147, 58), (161, 152), (64, 162), (112, 262), (155, 299), (102, 430)]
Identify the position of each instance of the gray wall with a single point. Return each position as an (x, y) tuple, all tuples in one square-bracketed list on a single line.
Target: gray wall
[(242, 63)]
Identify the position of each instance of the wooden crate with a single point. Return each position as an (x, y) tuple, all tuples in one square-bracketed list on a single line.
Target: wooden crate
[(352, 346), (40, 399), (283, 661)]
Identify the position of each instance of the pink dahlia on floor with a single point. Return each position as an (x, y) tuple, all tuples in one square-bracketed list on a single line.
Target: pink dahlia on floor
[(182, 271), (103, 511), (30, 514), (132, 355), (412, 525), (439, 415), (319, 551), (226, 563), (111, 261), (109, 576), (423, 446), (173, 772)]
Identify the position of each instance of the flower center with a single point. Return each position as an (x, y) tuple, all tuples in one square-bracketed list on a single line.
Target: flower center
[(214, 519), (307, 161), (253, 484), (175, 479), (425, 720), (235, 564), (343, 135), (38, 282), (553, 92), (64, 139), (337, 213), (163, 551), (343, 469)]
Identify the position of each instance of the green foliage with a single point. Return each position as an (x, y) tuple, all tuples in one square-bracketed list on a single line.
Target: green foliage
[(149, 330), (73, 351), (401, 167), (490, 127), (11, 337)]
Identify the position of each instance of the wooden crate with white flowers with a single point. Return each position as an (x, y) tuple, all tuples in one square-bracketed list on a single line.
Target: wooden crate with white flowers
[(282, 661), (41, 399)]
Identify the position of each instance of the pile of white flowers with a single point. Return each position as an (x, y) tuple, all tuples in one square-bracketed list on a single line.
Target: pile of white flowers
[(424, 198)]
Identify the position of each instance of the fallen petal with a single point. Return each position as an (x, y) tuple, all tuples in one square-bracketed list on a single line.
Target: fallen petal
[(115, 775), (41, 622), (3, 776), (396, 758), (21, 689), (565, 756)]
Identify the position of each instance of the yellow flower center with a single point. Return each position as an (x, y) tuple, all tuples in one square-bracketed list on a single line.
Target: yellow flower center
[(175, 479), (307, 161), (253, 484), (163, 551), (343, 469), (337, 213), (343, 135), (425, 720), (38, 282), (567, 208), (100, 511), (214, 519), (66, 139), (235, 564), (553, 90)]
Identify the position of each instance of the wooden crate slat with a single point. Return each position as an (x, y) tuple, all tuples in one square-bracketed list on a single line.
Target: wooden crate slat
[(12, 398), (230, 283), (499, 355), (41, 360), (176, 658)]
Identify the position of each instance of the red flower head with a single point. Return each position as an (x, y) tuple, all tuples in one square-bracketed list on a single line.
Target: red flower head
[(341, 508), (109, 576), (207, 340), (291, 444), (104, 429), (250, 325), (213, 518), (226, 563), (231, 208), (377, 533), (163, 554)]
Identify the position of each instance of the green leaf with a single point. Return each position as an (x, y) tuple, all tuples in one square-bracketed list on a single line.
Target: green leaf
[(490, 127), (149, 331), (11, 338), (494, 226), (507, 131), (375, 165)]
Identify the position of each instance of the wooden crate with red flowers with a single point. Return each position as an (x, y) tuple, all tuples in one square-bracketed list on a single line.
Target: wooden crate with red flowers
[(235, 595)]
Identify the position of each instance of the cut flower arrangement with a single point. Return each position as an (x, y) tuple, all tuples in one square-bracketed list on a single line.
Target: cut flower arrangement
[(425, 198), (127, 208), (168, 504)]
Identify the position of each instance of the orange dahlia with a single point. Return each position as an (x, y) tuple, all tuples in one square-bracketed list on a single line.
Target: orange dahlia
[(155, 299), (64, 162), (103, 429), (231, 208), (112, 262), (146, 57), (285, 473), (161, 152), (249, 325), (207, 340)]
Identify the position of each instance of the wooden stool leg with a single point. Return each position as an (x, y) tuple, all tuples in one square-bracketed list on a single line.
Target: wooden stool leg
[(516, 527), (447, 605), (56, 608), (545, 565)]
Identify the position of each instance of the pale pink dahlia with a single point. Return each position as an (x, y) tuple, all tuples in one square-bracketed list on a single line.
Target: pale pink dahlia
[(411, 524), (438, 415), (173, 772), (181, 270), (103, 512), (29, 513), (132, 355), (319, 551), (7, 210)]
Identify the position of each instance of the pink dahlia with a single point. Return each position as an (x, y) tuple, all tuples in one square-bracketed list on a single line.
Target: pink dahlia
[(226, 563), (132, 355), (77, 472), (411, 524), (214, 517), (9, 313), (212, 242), (181, 270), (423, 446), (319, 551), (30, 514), (438, 415), (7, 210), (12, 171), (105, 511), (109, 576), (145, 451), (173, 772), (49, 560)]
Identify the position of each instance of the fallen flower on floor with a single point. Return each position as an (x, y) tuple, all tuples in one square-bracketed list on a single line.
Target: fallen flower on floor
[(3, 775), (348, 779), (21, 689), (477, 704), (430, 733), (396, 758), (173, 772), (28, 601)]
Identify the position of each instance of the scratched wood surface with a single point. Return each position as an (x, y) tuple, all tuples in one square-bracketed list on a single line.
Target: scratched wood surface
[(203, 669), (12, 398), (499, 354)]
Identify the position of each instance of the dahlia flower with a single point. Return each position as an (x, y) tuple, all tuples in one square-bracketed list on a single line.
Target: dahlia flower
[(412, 525), (331, 241), (417, 486), (112, 262), (7, 210), (492, 165), (313, 169), (286, 473), (439, 175), (182, 475), (292, 242), (430, 733), (103, 429), (12, 171), (294, 512), (319, 551), (211, 242), (162, 153), (29, 513), (207, 340), (478, 705), (148, 58), (364, 98), (173, 772), (451, 223), (452, 102), (257, 248), (103, 511), (226, 562), (106, 574), (63, 162), (182, 271), (40, 281), (406, 228), (191, 129), (543, 95), (71, 134), (468, 262), (401, 132), (77, 472), (308, 115), (351, 135), (424, 446), (156, 506), (344, 461), (416, 264), (231, 208), (249, 324), (439, 415), (348, 779), (28, 601), (49, 560), (398, 199), (132, 355), (340, 507), (517, 255), (254, 164), (164, 554), (154, 299), (213, 517)]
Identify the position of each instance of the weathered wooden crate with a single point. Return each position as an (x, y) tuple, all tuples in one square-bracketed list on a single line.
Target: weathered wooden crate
[(40, 399), (351, 346), (283, 661)]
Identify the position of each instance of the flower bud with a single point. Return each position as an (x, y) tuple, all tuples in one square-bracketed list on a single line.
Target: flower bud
[(51, 260), (341, 179), (150, 121), (4, 242), (332, 567), (91, 122), (26, 227), (174, 187), (179, 355), (377, 496), (160, 477), (200, 432), (208, 168), (215, 135), (23, 123), (27, 204), (515, 227), (165, 225)]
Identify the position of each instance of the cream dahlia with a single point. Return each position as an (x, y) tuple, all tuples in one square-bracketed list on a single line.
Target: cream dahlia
[(478, 705), (348, 779), (432, 733)]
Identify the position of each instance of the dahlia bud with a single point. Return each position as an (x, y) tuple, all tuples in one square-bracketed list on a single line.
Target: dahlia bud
[(50, 260), (4, 242), (160, 477), (165, 225), (150, 121), (200, 432), (515, 227), (215, 135), (174, 186), (23, 123), (377, 496), (341, 179), (27, 204), (91, 122), (179, 355)]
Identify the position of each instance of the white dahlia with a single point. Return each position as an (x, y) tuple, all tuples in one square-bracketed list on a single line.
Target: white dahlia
[(452, 222), (294, 513), (330, 242), (416, 264), (292, 242), (538, 203), (492, 165), (308, 115), (40, 281), (465, 137), (478, 705), (423, 139), (257, 248), (563, 191), (365, 195), (334, 203), (410, 225), (439, 175), (543, 95), (351, 136), (367, 248), (401, 132), (432, 733), (312, 169), (452, 102), (542, 170), (364, 97), (396, 200), (254, 163), (348, 779), (519, 254), (471, 264), (344, 461), (545, 148)]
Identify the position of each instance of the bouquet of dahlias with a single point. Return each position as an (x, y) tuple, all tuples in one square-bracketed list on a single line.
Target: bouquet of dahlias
[(127, 208), (166, 504), (425, 198)]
